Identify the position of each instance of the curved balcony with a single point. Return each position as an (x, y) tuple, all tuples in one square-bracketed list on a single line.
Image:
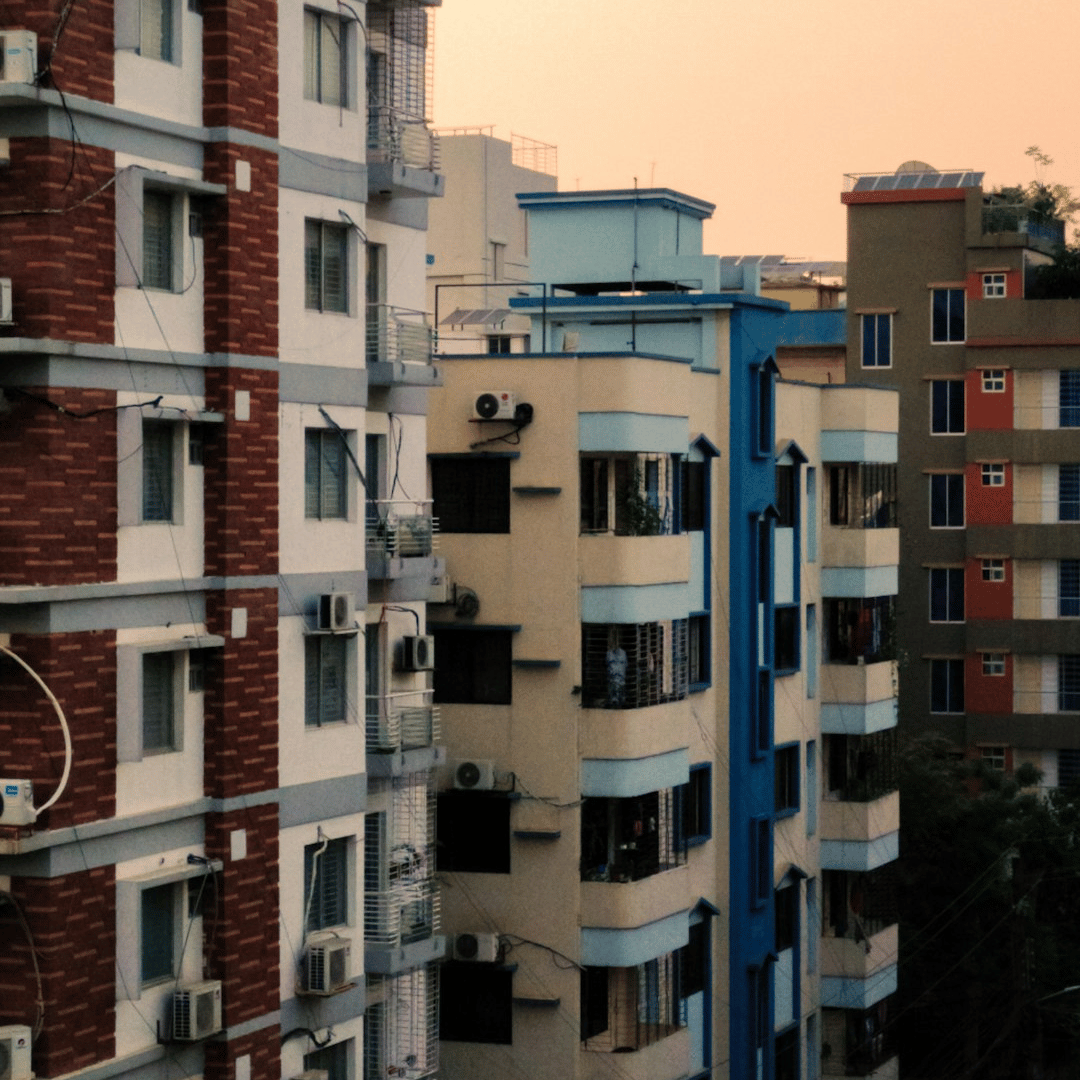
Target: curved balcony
[(626, 905), (667, 1059), (848, 547), (610, 559), (634, 733), (851, 958), (401, 927), (860, 835)]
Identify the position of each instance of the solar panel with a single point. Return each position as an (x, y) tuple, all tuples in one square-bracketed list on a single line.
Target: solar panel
[(865, 183), (951, 179)]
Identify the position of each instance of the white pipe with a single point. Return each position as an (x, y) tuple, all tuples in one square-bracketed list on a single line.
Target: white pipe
[(63, 727)]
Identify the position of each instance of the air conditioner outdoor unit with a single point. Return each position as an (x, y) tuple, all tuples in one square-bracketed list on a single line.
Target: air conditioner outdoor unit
[(494, 405), (476, 948), (15, 1052), (5, 301), (417, 653), (474, 775), (336, 611), (18, 56), (196, 1011), (327, 963), (17, 806)]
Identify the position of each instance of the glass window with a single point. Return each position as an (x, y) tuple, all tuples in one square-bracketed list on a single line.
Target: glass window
[(993, 286), (786, 635), (993, 381), (946, 686), (157, 240), (863, 496), (326, 277), (156, 29), (633, 491), (471, 495), (946, 594), (696, 799), (158, 933), (699, 651), (786, 791), (158, 462), (1069, 588), (693, 496), (325, 58), (1069, 493), (1069, 398), (947, 501), (326, 884), (1069, 684), (325, 676), (876, 341), (159, 701), (993, 474), (325, 491), (947, 319), (947, 407), (993, 569), (993, 663)]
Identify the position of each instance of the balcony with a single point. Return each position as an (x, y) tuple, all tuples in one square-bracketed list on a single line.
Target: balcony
[(629, 904), (860, 835), (399, 345), (401, 1025), (404, 914), (402, 721), (664, 1060), (859, 957), (1018, 218), (403, 154), (400, 538), (860, 547)]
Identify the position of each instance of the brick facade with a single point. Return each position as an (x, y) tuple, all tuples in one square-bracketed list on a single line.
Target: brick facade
[(262, 1047), (73, 919), (58, 488), (240, 64), (62, 265), (80, 670)]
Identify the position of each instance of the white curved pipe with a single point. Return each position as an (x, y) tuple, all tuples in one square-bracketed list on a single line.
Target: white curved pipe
[(63, 726)]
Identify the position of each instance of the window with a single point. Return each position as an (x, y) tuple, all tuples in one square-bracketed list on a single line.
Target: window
[(993, 286), (786, 1051), (1068, 763), (758, 998), (993, 474), (471, 495), (696, 797), (811, 650), (326, 277), (476, 1003), (811, 514), (760, 861), (473, 667), (761, 728), (498, 343), (634, 665), (333, 1060), (158, 924), (993, 381), (693, 496), (786, 761), (625, 1009), (876, 341), (786, 634), (159, 462), (860, 628), (474, 832), (629, 839), (947, 315), (764, 406), (947, 501), (1069, 493), (325, 58), (993, 757), (993, 570), (158, 240), (1069, 588), (946, 686), (993, 664), (325, 491), (947, 407), (325, 679), (160, 677), (1069, 684), (946, 594), (699, 652), (628, 494), (156, 29), (861, 768), (786, 501), (863, 496), (326, 884), (1069, 398)]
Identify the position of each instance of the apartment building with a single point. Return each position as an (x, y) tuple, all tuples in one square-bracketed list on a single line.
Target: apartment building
[(940, 273), (216, 833), (632, 701)]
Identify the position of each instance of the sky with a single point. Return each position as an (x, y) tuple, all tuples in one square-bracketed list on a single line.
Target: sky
[(761, 107)]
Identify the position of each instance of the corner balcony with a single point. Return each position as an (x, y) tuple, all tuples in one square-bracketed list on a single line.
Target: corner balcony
[(402, 730), (399, 344), (400, 927), (402, 154), (859, 547), (1017, 218), (667, 1059), (860, 835), (626, 905), (858, 957), (858, 699)]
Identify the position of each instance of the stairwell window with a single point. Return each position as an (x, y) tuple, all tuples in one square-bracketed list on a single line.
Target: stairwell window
[(326, 277), (947, 316), (325, 58)]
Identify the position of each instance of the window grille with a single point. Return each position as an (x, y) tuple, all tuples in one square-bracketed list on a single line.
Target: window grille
[(326, 884), (1069, 684), (861, 768), (863, 496), (1069, 492), (1069, 398), (861, 629), (401, 1026), (1069, 588), (631, 666)]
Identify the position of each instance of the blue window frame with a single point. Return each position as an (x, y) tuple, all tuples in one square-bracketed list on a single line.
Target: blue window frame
[(1069, 493), (1069, 398), (1069, 588), (947, 316), (760, 861), (786, 638), (699, 651), (876, 341)]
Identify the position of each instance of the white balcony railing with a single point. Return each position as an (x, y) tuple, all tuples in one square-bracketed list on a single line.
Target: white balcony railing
[(398, 335), (405, 913), (402, 721), (395, 137), (400, 530)]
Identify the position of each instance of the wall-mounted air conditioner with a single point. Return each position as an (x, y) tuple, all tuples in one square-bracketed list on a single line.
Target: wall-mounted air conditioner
[(6, 317), (327, 963), (417, 653), (476, 948), (17, 805), (196, 1011), (336, 611), (18, 56), (474, 775), (494, 405), (15, 1052)]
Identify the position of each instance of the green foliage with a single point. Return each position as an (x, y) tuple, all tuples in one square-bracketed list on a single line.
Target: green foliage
[(990, 920), (636, 515), (1059, 280)]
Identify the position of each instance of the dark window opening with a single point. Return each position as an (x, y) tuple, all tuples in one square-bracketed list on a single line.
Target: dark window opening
[(861, 768), (471, 495), (696, 798), (786, 902), (786, 637), (786, 792), (693, 495), (475, 1003), (474, 832), (473, 667), (863, 496), (629, 839), (860, 629), (786, 501)]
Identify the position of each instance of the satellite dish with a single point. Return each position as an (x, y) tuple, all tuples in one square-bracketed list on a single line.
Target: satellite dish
[(915, 166)]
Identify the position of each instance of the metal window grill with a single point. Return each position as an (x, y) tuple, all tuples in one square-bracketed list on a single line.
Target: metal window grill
[(862, 768), (1069, 398), (1069, 492), (860, 630), (1069, 684), (632, 666), (401, 1025), (399, 529)]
